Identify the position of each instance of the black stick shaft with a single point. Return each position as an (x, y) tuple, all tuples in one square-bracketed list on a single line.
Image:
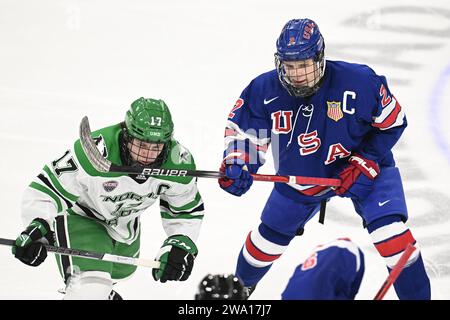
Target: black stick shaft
[(94, 255), (61, 250), (6, 242), (166, 172)]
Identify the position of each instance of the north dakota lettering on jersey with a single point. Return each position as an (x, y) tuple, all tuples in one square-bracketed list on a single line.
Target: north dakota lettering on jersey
[(71, 185), (131, 195)]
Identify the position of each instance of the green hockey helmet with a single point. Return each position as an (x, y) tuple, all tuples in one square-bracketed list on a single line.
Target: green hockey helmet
[(149, 122)]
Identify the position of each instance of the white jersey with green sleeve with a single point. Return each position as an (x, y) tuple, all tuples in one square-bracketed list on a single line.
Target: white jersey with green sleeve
[(71, 185)]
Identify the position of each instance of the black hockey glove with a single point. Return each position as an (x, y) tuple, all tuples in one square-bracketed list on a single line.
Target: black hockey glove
[(29, 246), (176, 256)]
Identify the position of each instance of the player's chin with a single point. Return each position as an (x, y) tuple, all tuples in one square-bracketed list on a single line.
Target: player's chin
[(300, 84), (146, 162)]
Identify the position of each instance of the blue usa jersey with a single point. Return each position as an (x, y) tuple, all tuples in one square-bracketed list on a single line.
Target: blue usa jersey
[(333, 272), (352, 112)]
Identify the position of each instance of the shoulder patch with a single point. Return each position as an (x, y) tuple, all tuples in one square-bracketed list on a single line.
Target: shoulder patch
[(110, 185)]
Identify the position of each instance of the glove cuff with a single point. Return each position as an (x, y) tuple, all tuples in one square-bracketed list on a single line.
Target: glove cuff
[(237, 157), (369, 168), (37, 229), (182, 242)]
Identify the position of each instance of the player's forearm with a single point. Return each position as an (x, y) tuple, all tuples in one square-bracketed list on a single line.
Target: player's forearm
[(252, 143), (188, 227), (250, 154), (33, 207)]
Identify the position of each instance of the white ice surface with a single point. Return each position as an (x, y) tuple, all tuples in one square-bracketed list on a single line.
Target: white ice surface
[(61, 60)]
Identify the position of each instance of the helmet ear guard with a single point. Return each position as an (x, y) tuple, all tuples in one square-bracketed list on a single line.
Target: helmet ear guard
[(300, 40)]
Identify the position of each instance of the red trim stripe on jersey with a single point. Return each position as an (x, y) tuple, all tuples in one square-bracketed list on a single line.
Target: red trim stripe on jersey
[(313, 191), (237, 154), (390, 119), (395, 244), (230, 132), (258, 254), (262, 148)]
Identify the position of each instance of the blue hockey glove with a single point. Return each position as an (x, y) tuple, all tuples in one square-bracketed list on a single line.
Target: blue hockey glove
[(29, 246), (238, 180), (176, 256), (357, 177)]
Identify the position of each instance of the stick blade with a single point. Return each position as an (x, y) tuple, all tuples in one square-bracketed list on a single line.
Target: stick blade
[(90, 148)]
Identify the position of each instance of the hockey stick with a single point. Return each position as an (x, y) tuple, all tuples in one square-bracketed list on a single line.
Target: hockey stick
[(94, 255), (395, 272), (104, 165)]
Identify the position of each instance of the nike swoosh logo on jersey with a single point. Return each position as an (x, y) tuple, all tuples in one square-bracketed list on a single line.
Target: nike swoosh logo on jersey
[(269, 101), (380, 204)]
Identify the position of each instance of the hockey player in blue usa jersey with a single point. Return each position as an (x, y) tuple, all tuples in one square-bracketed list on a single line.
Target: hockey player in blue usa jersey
[(334, 271), (322, 119)]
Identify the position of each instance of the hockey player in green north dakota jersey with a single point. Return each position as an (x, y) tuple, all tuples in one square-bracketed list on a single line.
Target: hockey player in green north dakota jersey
[(71, 204)]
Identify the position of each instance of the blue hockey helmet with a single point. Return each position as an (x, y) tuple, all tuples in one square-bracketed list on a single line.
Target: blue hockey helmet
[(300, 40)]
